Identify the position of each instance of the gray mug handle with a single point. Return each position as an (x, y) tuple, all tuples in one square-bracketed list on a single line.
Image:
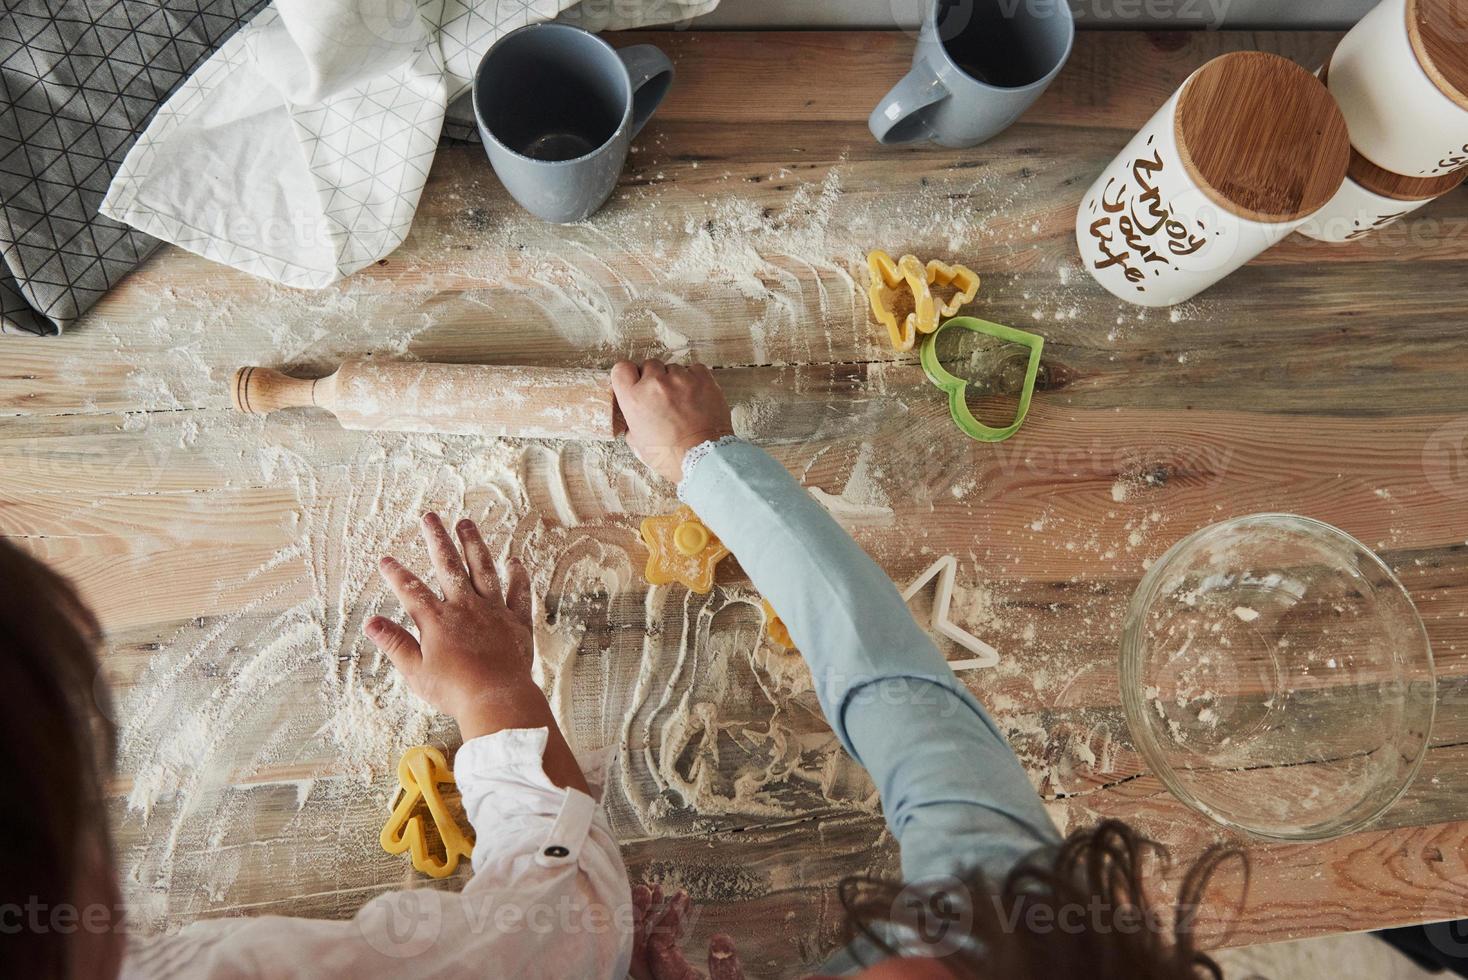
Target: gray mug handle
[(896, 118), (651, 72)]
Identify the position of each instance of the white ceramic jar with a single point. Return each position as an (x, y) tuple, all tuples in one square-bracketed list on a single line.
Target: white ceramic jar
[(1371, 198), (1401, 79), (1248, 147)]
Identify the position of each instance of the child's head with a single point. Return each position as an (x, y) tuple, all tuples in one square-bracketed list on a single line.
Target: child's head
[(1077, 911), (58, 897)]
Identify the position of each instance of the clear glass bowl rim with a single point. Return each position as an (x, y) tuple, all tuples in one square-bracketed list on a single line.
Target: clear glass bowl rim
[(1131, 681)]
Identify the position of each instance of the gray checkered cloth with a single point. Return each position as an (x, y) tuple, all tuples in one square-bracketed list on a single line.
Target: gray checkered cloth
[(79, 80)]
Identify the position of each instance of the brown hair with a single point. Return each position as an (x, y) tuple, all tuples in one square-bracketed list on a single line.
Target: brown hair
[(1079, 909), (55, 741)]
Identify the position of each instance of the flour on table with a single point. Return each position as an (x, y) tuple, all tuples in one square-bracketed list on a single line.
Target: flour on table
[(862, 500), (705, 724)]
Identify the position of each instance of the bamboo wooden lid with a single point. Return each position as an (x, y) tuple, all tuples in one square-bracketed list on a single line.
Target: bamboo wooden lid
[(1398, 187), (1439, 33), (1261, 136)]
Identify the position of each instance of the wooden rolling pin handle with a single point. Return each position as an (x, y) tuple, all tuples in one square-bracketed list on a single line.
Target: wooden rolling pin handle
[(260, 391)]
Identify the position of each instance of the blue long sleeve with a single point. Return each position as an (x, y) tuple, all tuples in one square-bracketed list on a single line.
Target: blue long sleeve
[(953, 793)]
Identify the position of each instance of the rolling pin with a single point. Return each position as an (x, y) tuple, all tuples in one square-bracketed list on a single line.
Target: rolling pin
[(457, 399)]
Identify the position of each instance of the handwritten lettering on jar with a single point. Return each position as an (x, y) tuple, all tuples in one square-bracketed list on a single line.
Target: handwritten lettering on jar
[(1139, 228), (1453, 161), (1379, 221)]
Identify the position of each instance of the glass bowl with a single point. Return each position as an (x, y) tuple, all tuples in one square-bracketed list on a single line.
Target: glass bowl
[(1277, 677)]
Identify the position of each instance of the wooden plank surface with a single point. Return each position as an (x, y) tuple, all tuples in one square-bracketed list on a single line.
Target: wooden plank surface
[(231, 558)]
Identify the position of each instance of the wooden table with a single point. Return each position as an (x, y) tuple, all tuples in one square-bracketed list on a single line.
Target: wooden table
[(231, 559)]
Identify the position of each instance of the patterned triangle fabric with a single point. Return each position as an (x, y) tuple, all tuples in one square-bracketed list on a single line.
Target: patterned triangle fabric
[(299, 151), (79, 80)]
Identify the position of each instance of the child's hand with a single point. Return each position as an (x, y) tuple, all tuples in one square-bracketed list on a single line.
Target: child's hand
[(474, 650), (473, 656), (657, 930), (669, 409), (475, 647)]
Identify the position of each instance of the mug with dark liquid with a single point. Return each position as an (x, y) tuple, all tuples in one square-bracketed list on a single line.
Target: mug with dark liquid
[(978, 66), (557, 108)]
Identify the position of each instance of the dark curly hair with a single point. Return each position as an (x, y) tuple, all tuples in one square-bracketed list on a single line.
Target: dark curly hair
[(1079, 909)]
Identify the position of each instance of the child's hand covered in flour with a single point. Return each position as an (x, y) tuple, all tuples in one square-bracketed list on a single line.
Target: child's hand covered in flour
[(669, 409), (658, 927), (472, 656)]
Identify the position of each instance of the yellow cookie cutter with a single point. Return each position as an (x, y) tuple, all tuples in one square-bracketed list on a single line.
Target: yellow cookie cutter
[(960, 278), (775, 627), (888, 278), (421, 771), (681, 549)]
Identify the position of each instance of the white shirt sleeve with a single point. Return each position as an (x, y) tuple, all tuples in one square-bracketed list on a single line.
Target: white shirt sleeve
[(549, 898)]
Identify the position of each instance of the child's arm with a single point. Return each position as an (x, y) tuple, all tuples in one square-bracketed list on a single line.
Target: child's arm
[(952, 790), (549, 896)]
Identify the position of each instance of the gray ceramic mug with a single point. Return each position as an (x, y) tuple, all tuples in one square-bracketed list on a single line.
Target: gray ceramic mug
[(557, 108), (978, 66)]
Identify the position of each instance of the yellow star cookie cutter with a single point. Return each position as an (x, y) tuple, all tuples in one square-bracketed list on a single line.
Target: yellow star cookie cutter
[(421, 771), (681, 549), (775, 627), (960, 278), (888, 280)]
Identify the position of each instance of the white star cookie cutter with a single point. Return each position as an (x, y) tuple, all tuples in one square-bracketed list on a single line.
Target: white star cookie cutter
[(946, 569)]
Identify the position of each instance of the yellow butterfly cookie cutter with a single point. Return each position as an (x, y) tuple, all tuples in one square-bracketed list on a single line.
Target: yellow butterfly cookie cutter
[(421, 771), (681, 549), (888, 281)]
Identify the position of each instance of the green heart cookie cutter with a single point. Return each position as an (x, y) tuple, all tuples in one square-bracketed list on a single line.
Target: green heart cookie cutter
[(956, 387)]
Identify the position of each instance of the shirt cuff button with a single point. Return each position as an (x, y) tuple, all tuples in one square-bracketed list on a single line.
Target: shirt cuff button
[(556, 851)]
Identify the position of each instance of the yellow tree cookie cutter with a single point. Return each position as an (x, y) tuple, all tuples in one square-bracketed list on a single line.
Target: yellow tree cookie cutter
[(421, 771), (960, 278), (681, 549), (888, 278)]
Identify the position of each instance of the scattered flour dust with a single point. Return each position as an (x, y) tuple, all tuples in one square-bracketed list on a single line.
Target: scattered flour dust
[(701, 721), (690, 678), (787, 253), (754, 415), (862, 500), (640, 269), (193, 725)]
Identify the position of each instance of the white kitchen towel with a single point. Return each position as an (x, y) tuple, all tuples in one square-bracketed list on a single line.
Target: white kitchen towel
[(298, 152)]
